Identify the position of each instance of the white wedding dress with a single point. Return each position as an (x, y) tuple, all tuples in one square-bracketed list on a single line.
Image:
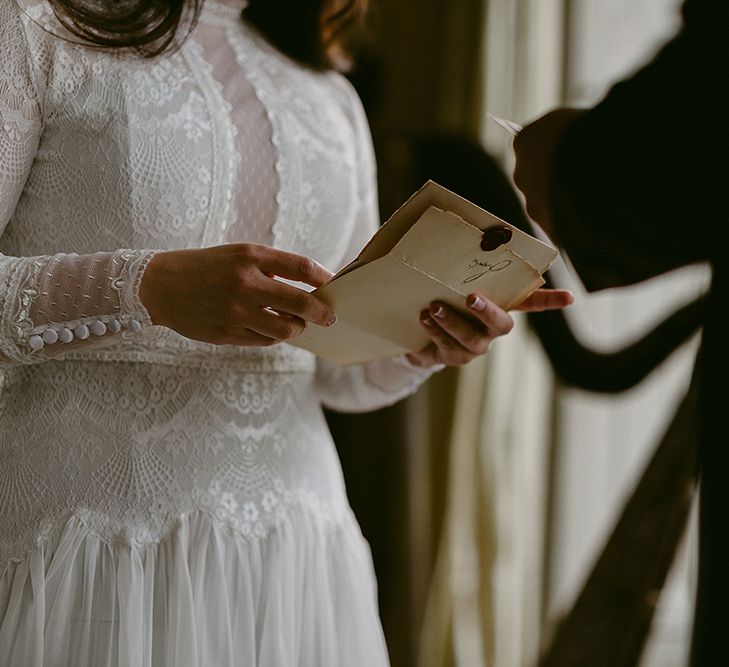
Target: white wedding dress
[(165, 502)]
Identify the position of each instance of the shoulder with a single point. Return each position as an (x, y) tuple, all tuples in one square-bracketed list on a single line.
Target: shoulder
[(10, 17), (345, 91), (355, 111), (27, 14), (32, 39), (350, 102), (15, 56), (26, 45), (26, 25)]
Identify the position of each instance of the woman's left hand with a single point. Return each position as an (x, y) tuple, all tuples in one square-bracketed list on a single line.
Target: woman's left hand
[(458, 339)]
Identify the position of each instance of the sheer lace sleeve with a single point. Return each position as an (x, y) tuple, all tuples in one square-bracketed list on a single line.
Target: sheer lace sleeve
[(49, 305), (376, 384)]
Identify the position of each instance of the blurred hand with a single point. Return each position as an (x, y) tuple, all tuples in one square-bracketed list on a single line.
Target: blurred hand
[(458, 339), (227, 295), (534, 151)]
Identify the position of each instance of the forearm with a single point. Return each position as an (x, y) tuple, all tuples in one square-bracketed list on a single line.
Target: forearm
[(50, 305)]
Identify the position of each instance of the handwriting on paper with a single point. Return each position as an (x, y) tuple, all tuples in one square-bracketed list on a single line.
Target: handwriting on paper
[(478, 268)]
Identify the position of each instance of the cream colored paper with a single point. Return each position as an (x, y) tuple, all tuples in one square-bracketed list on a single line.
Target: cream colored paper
[(429, 250)]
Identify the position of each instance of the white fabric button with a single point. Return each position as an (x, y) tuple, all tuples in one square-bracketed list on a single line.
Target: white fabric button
[(35, 342), (114, 326), (98, 328), (65, 335), (81, 331), (135, 326), (49, 336)]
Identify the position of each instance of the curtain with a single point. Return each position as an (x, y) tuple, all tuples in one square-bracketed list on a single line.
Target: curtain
[(484, 606), (461, 582), (491, 528)]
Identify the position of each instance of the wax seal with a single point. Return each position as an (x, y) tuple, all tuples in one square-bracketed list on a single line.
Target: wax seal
[(494, 237)]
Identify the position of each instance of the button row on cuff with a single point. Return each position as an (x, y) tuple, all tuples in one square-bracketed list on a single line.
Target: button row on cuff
[(79, 332)]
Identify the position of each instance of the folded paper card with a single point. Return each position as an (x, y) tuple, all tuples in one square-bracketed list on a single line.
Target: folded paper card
[(431, 249)]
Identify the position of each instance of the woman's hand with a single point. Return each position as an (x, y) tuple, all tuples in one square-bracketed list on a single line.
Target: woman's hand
[(227, 295), (458, 339)]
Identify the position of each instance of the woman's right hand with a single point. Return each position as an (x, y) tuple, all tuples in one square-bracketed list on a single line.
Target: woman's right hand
[(227, 295)]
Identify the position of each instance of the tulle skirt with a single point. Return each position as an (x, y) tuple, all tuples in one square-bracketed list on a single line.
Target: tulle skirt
[(174, 516), (303, 594)]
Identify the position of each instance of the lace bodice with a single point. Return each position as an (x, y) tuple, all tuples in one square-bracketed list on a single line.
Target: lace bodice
[(105, 157)]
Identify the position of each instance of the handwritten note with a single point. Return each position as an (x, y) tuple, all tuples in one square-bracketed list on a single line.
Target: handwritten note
[(478, 268), (436, 247)]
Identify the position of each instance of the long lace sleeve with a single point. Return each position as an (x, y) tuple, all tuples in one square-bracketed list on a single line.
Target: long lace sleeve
[(373, 385), (50, 305)]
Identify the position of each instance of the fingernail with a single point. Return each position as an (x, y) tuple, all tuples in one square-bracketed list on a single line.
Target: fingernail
[(331, 320), (427, 321), (476, 302), (439, 312)]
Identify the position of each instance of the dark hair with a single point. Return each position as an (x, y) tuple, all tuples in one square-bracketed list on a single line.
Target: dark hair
[(310, 31), (149, 26)]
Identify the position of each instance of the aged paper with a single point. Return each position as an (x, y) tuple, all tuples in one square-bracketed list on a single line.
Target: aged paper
[(509, 125), (429, 250)]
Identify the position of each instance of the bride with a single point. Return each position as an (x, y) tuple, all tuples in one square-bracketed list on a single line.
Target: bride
[(169, 492)]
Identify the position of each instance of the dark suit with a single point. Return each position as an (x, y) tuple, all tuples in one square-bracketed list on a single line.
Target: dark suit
[(640, 187)]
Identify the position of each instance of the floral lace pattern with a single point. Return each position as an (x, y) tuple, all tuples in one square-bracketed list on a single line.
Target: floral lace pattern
[(104, 160), (159, 442)]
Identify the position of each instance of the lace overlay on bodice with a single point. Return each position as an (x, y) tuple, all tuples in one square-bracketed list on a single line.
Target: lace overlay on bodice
[(158, 443), (106, 158)]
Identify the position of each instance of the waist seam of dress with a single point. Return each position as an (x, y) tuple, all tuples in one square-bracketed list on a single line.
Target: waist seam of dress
[(330, 521)]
